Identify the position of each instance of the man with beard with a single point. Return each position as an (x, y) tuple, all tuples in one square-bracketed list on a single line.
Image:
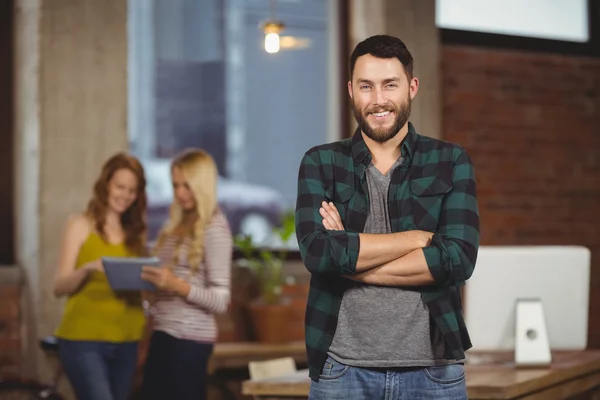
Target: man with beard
[(388, 226)]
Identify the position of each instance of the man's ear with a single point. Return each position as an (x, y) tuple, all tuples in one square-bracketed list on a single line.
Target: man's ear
[(413, 87), (350, 88)]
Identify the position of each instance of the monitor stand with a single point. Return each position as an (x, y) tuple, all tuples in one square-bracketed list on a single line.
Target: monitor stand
[(532, 348)]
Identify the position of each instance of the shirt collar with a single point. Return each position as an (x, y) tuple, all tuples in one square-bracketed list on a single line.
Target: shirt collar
[(360, 151), (409, 143)]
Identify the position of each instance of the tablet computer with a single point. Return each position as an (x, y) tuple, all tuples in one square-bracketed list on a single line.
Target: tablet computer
[(124, 273)]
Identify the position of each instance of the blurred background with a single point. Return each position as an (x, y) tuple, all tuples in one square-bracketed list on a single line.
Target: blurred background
[(516, 83)]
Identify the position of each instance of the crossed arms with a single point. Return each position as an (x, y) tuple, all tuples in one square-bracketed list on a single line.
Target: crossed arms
[(444, 257), (394, 259)]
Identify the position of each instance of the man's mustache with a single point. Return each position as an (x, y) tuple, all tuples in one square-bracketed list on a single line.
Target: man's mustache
[(379, 109)]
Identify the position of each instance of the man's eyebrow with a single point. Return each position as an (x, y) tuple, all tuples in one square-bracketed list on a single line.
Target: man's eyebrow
[(361, 80), (367, 81)]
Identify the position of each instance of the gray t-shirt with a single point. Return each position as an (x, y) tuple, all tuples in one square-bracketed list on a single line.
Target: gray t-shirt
[(380, 326)]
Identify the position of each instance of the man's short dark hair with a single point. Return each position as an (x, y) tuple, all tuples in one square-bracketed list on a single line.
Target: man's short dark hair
[(383, 46)]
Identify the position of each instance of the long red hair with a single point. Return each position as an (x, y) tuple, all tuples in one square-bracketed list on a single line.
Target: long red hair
[(133, 219)]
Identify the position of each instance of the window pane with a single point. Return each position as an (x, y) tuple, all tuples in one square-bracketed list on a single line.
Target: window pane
[(545, 19), (200, 77)]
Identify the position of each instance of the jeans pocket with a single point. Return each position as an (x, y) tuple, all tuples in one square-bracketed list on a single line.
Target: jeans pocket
[(333, 369), (446, 374)]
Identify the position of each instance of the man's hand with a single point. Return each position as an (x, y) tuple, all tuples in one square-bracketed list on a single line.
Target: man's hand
[(426, 237), (331, 217)]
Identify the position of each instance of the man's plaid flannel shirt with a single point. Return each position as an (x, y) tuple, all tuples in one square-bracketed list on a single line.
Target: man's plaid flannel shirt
[(432, 190)]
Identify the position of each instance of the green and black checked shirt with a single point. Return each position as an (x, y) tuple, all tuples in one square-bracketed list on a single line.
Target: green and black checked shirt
[(432, 190)]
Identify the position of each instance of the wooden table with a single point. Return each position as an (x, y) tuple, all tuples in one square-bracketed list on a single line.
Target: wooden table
[(238, 355), (488, 376)]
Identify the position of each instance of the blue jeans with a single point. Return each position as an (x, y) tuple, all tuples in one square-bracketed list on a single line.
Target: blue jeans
[(99, 370), (339, 381)]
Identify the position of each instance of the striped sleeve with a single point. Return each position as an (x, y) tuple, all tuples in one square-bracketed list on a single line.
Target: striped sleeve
[(218, 246)]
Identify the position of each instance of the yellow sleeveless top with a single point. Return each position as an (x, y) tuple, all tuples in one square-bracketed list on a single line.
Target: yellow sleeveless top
[(96, 312)]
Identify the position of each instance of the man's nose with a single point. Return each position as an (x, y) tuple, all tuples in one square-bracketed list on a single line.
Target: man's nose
[(379, 97)]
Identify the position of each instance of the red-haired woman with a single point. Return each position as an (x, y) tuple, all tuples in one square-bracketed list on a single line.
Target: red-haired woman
[(100, 329)]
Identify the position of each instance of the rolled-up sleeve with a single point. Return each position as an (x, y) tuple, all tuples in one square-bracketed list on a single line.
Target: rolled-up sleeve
[(323, 251), (452, 253)]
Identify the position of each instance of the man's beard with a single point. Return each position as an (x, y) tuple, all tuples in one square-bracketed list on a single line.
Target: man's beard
[(382, 135)]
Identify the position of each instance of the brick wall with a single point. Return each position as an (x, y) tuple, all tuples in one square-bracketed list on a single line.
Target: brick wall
[(10, 330), (531, 123)]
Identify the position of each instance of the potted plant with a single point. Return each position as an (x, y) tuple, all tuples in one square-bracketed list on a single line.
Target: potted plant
[(270, 310)]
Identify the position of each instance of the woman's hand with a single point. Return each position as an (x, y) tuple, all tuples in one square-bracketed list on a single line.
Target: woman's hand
[(93, 266), (161, 277)]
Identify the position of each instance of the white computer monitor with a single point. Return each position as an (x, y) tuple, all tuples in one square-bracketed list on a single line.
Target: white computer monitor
[(558, 275)]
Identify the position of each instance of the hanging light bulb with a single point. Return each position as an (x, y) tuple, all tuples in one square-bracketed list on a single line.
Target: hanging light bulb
[(272, 42), (272, 30)]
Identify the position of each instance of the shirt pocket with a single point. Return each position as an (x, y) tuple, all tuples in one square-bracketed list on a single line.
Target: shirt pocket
[(427, 199), (341, 196)]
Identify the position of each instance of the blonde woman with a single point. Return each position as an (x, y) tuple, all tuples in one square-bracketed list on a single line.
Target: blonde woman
[(195, 247), (100, 328)]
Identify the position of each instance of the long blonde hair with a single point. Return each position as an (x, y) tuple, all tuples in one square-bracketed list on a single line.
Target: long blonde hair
[(201, 175)]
